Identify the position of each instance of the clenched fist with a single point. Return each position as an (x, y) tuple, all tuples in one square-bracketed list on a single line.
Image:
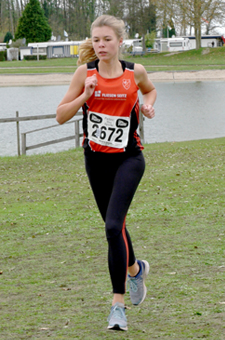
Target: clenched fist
[(89, 85), (148, 111)]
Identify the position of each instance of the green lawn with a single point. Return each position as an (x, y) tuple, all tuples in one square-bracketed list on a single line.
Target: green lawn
[(54, 281), (184, 61)]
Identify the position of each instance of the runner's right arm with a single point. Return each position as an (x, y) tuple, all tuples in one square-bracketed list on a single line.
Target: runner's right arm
[(81, 88)]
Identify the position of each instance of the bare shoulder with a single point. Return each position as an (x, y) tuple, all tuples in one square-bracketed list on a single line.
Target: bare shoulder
[(76, 85), (139, 69), (140, 73), (142, 79), (79, 75), (78, 80)]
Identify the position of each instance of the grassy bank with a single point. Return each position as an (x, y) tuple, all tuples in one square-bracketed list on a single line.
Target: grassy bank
[(202, 59), (54, 280)]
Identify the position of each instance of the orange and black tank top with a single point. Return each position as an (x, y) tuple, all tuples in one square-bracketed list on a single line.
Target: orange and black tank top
[(111, 114)]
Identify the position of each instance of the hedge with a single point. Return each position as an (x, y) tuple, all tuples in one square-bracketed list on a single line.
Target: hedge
[(34, 57), (3, 55)]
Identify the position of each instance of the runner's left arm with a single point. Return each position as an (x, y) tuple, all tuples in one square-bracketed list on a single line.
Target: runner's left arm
[(147, 89)]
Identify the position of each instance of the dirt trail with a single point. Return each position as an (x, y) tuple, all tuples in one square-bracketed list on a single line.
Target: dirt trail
[(65, 78)]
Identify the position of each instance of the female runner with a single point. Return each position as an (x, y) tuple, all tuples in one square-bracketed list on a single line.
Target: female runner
[(107, 90)]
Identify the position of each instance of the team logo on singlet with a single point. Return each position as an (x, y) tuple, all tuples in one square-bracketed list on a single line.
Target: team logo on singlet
[(97, 93), (126, 83)]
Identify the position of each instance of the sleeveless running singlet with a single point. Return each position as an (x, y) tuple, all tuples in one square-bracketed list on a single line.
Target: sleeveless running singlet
[(111, 114)]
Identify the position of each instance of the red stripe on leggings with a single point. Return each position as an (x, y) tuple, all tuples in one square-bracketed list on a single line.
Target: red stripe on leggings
[(126, 245)]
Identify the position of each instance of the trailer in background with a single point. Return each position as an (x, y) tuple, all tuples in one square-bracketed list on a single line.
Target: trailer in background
[(178, 44), (207, 41), (174, 44), (133, 46)]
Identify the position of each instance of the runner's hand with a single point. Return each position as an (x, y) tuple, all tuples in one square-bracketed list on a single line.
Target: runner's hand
[(90, 84), (148, 111)]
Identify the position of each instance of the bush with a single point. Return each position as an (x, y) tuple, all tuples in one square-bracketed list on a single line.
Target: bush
[(149, 39), (8, 37), (3, 55), (17, 43), (34, 57)]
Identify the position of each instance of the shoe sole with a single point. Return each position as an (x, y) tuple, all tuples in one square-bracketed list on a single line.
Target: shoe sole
[(147, 268), (117, 327)]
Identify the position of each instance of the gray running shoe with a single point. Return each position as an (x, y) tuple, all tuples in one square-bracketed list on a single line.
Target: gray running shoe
[(117, 318), (138, 289)]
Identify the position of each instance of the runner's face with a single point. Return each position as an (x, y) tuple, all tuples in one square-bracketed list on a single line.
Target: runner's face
[(105, 42)]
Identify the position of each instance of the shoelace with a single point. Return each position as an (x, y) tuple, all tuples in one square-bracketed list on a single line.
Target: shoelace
[(133, 284), (117, 312)]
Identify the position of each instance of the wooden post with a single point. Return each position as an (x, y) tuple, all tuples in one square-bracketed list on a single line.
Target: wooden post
[(22, 150), (77, 134), (23, 137), (18, 133)]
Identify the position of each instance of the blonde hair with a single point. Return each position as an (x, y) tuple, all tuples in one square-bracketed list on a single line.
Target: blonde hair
[(86, 50)]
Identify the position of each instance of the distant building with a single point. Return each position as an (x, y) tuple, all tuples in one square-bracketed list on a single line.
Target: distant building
[(51, 49), (12, 53), (207, 41), (187, 43), (24, 51), (59, 49), (2, 46)]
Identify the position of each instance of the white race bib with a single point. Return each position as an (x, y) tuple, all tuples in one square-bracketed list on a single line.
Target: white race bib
[(108, 130)]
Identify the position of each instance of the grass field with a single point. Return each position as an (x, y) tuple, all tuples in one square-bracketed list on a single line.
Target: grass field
[(54, 281), (184, 61)]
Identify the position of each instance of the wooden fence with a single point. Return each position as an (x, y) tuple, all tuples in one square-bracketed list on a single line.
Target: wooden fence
[(76, 136)]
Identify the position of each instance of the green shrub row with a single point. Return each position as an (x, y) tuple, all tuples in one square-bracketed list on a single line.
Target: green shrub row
[(34, 57), (3, 55)]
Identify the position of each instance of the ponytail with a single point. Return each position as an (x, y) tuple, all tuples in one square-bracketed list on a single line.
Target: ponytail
[(86, 52)]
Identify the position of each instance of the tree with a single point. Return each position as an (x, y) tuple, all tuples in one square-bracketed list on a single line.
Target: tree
[(33, 24), (198, 13), (116, 8), (191, 15), (8, 37), (76, 16), (141, 18), (150, 39), (214, 15)]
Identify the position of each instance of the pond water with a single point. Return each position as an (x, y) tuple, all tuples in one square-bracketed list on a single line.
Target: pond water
[(184, 111)]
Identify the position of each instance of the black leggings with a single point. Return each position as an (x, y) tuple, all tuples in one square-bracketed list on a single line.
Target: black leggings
[(114, 179)]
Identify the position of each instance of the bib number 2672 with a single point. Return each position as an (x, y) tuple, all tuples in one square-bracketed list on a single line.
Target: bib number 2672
[(108, 130)]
